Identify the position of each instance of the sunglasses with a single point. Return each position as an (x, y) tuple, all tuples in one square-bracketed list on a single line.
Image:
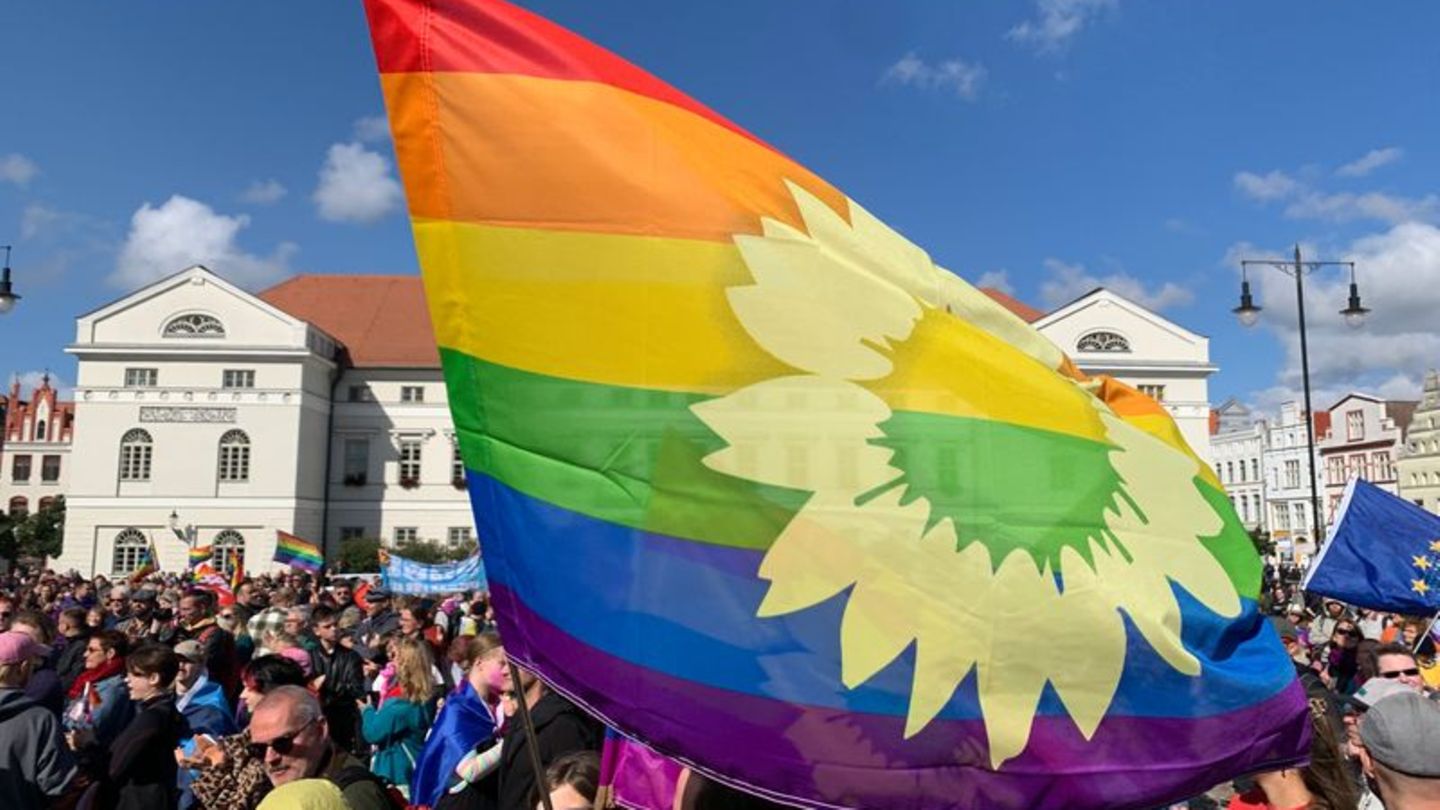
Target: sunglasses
[(1396, 673), (281, 745), (1352, 632)]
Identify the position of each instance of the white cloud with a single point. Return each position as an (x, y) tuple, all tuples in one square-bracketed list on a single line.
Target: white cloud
[(1347, 207), (18, 169), (30, 380), (182, 232), (997, 280), (372, 129), (1275, 185), (356, 185), (964, 78), (1057, 22), (1070, 281), (263, 192), (1398, 272), (1370, 161)]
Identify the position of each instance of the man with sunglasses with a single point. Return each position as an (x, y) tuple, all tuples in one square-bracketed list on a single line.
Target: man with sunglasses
[(288, 733), (1396, 662)]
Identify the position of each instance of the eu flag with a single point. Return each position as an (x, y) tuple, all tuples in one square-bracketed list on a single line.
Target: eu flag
[(1383, 553)]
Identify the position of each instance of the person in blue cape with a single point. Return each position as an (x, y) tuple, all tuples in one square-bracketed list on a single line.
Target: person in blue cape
[(202, 702), (457, 766)]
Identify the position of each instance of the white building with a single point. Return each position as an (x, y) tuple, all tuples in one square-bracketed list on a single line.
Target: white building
[(1363, 441), (316, 407), (1287, 481), (1420, 462), (1106, 333), (34, 448), (1237, 446)]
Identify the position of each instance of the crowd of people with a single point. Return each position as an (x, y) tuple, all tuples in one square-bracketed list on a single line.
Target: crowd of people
[(295, 693), (299, 692)]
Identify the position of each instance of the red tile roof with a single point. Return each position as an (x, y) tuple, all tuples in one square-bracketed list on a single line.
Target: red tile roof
[(1025, 312), (382, 321)]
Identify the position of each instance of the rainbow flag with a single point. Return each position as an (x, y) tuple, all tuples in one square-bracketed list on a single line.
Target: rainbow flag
[(199, 555), (769, 491), (149, 564), (296, 553)]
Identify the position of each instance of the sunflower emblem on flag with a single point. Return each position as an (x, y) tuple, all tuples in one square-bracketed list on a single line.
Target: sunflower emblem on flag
[(964, 496)]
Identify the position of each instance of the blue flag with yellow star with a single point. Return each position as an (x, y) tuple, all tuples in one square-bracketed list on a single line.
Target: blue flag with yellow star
[(1383, 553)]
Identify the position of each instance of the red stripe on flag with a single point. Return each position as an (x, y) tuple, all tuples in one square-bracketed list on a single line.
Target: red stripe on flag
[(424, 36)]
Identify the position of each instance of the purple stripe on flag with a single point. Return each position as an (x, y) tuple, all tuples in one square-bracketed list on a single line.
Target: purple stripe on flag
[(846, 759)]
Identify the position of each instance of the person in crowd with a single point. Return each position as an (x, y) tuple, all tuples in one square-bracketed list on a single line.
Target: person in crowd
[(36, 767), (344, 596), (298, 623), (44, 686), (231, 774), (146, 623), (397, 728), (98, 703), (560, 728), (415, 623), (197, 623), (1397, 662), (571, 782), (379, 620), (291, 737), (1365, 659), (1400, 751), (462, 752), (140, 772), (306, 794), (339, 676), (74, 628), (1324, 625), (1338, 659), (1371, 622), (1325, 783), (95, 619), (117, 606), (201, 699), (264, 625)]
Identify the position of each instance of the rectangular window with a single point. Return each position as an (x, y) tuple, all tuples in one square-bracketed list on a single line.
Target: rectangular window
[(1355, 466), (1282, 517), (1301, 521), (238, 378), (357, 462), (1335, 468), (1155, 392), (1255, 469), (135, 462), (1230, 471), (1380, 463), (406, 534), (20, 469), (1292, 474), (234, 462), (141, 377), (49, 468), (1354, 426), (359, 393), (40, 427), (457, 467), (352, 533), (412, 393), (409, 463), (459, 535)]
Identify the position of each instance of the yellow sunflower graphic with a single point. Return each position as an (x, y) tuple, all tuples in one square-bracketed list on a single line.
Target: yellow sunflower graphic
[(968, 497)]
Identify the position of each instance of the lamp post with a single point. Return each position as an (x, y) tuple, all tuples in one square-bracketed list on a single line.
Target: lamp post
[(1248, 314), (8, 298), (189, 531)]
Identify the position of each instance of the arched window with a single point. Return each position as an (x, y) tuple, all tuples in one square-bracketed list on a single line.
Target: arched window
[(130, 546), (1102, 342), (195, 325), (19, 507), (135, 452), (45, 503), (228, 551), (235, 456)]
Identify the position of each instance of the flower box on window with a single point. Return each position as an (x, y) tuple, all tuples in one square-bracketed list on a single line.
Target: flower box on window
[(409, 483), (458, 482)]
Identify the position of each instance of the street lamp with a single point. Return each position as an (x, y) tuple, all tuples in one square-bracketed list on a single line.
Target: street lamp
[(1248, 313), (7, 296)]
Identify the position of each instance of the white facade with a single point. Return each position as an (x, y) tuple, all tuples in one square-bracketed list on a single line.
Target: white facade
[(1105, 333), (198, 398), (1287, 484), (1363, 441), (1238, 450), (1420, 462)]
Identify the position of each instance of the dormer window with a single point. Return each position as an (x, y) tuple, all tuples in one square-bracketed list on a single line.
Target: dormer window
[(1102, 342), (195, 325)]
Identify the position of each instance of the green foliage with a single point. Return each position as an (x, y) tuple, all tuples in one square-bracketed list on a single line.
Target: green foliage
[(358, 557), (432, 552), (40, 535)]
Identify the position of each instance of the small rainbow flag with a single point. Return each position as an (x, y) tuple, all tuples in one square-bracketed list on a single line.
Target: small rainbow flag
[(200, 554), (770, 491), (149, 564), (296, 553)]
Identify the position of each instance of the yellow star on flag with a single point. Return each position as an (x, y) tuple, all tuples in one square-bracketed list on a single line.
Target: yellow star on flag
[(1419, 587), (1423, 563)]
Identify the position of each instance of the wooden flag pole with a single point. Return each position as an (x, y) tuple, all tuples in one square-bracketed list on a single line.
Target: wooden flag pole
[(532, 742)]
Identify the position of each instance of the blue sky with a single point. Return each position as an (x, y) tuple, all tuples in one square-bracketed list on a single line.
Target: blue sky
[(1047, 146)]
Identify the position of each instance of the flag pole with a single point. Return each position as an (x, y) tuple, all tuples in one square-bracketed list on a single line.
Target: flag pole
[(1420, 640), (523, 708)]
